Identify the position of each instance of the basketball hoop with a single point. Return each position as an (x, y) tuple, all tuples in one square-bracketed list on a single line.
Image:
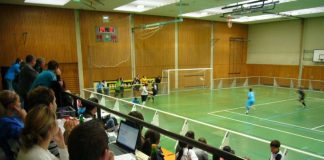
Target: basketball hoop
[(229, 21)]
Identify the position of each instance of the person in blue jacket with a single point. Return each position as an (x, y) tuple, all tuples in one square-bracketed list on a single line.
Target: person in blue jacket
[(12, 72), (49, 77), (12, 117)]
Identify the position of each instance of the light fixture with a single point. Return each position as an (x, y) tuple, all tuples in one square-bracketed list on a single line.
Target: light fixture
[(105, 19), (48, 2), (257, 18), (196, 14), (204, 14), (141, 7), (144, 5), (298, 12), (221, 9), (304, 11)]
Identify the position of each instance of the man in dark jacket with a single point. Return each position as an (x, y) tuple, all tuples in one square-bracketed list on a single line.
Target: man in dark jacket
[(26, 77)]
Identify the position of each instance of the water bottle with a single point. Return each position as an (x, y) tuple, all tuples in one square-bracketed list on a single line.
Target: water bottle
[(154, 152), (81, 118)]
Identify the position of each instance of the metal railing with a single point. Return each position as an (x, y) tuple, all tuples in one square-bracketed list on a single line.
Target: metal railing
[(210, 149), (309, 84)]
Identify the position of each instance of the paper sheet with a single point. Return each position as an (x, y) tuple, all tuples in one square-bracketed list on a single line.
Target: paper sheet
[(128, 156)]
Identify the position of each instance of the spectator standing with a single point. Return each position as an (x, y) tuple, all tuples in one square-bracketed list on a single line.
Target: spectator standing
[(40, 65), (26, 77), (48, 77), (136, 86), (12, 72)]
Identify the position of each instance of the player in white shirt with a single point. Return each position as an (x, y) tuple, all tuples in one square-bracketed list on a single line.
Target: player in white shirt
[(144, 93)]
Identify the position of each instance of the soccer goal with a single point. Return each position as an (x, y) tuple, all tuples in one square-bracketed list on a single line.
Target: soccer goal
[(184, 79)]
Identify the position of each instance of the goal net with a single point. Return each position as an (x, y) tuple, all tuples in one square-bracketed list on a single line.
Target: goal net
[(183, 79)]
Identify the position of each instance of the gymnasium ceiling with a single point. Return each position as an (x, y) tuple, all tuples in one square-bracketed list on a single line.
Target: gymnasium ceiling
[(193, 6)]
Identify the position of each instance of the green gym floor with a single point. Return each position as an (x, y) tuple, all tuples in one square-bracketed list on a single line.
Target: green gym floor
[(278, 115)]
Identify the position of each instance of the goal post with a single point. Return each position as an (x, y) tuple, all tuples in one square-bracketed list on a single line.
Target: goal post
[(183, 79)]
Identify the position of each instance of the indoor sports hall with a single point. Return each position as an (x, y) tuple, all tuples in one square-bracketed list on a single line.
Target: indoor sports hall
[(162, 79)]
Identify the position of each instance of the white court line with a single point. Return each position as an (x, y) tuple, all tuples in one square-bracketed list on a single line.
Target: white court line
[(262, 104), (278, 130), (190, 89), (289, 88), (158, 95), (273, 121), (169, 138), (249, 86), (318, 127), (316, 98)]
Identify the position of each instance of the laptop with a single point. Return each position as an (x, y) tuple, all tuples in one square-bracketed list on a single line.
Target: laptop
[(126, 139)]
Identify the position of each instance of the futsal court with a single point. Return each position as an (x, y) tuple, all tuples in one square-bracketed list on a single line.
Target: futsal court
[(211, 113), (278, 114)]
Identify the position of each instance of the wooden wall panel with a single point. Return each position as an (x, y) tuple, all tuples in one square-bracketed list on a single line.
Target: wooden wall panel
[(154, 48), (43, 32), (222, 35), (105, 60), (288, 71), (70, 76), (1, 87), (194, 43), (313, 72)]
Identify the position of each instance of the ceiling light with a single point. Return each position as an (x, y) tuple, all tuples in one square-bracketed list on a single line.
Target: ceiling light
[(304, 11), (144, 5), (141, 7), (204, 14), (219, 10), (194, 15), (48, 2), (281, 14), (257, 18)]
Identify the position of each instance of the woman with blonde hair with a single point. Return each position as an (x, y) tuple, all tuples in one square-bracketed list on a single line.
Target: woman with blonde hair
[(12, 118), (40, 128)]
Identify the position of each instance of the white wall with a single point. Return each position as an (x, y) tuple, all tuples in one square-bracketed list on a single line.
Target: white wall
[(313, 36), (274, 43), (279, 42)]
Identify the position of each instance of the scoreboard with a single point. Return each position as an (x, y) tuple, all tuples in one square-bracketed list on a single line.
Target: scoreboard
[(106, 34)]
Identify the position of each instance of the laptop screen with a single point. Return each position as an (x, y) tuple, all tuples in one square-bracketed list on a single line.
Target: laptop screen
[(127, 136)]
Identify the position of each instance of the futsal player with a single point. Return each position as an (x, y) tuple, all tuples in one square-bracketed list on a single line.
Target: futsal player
[(302, 95), (144, 93), (154, 91), (250, 101), (136, 86)]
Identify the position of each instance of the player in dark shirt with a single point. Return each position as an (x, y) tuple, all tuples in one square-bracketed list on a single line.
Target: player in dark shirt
[(302, 95)]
